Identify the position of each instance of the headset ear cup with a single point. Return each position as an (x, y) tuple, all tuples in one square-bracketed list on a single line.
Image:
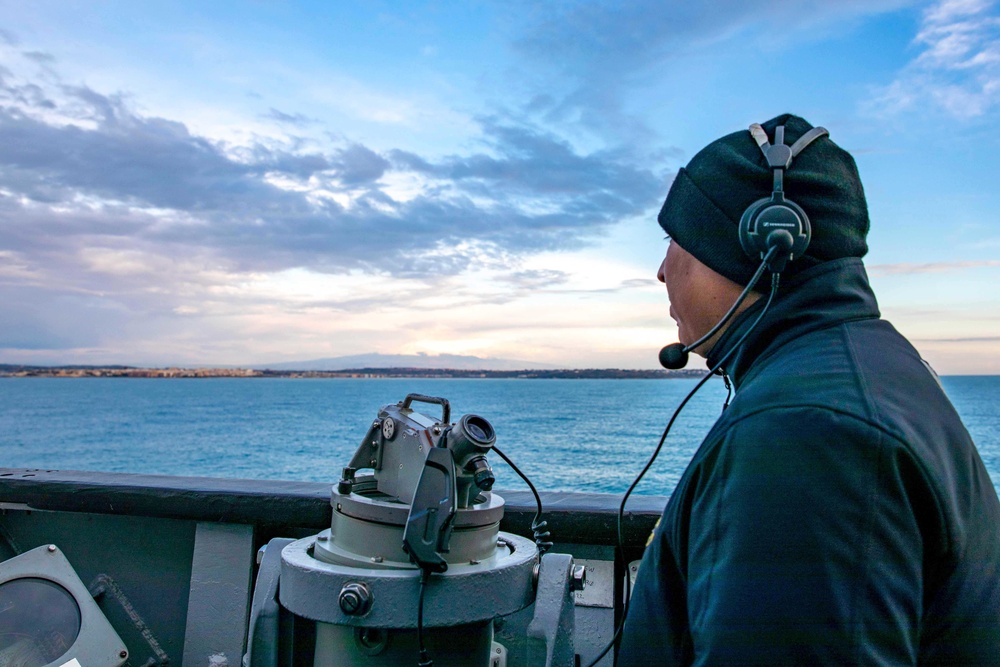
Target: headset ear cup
[(748, 223), (781, 218), (754, 240)]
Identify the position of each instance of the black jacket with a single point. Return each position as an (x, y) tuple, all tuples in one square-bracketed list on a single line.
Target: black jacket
[(837, 513)]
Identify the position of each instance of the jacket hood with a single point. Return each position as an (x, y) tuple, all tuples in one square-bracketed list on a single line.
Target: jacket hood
[(820, 297)]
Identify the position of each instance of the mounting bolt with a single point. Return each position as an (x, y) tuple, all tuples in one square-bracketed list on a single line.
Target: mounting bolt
[(52, 548), (355, 599), (346, 482), (578, 579), (123, 654)]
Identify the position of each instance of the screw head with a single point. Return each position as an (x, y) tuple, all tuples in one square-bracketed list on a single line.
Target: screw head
[(123, 653), (52, 548)]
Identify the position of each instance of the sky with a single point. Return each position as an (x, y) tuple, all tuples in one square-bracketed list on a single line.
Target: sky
[(242, 183)]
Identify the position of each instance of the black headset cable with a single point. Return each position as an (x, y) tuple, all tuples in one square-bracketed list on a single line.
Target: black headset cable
[(538, 527), (775, 278), (425, 659)]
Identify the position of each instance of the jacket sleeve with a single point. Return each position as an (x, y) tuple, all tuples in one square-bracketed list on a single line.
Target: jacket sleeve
[(802, 545)]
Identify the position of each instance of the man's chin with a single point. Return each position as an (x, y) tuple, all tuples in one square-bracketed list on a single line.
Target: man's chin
[(702, 350)]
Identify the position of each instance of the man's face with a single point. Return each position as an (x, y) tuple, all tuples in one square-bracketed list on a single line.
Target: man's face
[(696, 294)]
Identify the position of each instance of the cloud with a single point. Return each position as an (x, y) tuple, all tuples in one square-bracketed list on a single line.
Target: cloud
[(40, 57), (906, 268), (535, 279), (139, 214), (359, 165), (608, 35), (585, 54), (36, 318), (80, 168), (560, 187), (958, 68), (293, 119)]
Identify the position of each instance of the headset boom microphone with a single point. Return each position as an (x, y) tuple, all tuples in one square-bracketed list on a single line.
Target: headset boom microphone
[(674, 356)]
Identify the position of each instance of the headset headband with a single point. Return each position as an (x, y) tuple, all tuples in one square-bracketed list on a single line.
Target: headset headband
[(776, 221), (778, 155)]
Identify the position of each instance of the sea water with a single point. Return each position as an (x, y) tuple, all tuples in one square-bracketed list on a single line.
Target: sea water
[(566, 435)]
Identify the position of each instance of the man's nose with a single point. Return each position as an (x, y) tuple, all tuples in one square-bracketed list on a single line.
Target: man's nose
[(660, 275)]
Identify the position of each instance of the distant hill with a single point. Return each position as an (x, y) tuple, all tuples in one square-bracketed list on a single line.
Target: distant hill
[(375, 360)]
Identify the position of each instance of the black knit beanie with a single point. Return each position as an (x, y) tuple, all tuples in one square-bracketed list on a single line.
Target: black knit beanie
[(703, 208)]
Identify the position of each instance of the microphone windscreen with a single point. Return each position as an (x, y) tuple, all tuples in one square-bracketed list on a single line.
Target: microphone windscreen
[(674, 357)]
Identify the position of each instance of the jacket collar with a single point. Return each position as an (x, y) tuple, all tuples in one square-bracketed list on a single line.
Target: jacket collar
[(817, 298)]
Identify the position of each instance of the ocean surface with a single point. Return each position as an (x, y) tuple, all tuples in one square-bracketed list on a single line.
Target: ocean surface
[(566, 435)]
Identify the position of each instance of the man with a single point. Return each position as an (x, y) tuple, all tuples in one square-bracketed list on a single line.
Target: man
[(838, 512)]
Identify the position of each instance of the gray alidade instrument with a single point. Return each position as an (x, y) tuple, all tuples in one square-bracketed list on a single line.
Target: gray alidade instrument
[(414, 558)]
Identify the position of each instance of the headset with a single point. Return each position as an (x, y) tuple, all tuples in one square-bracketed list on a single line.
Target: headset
[(774, 230), (777, 220)]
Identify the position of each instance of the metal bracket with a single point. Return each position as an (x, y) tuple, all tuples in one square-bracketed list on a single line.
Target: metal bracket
[(633, 572), (262, 643), (219, 593), (126, 620), (550, 632), (369, 453)]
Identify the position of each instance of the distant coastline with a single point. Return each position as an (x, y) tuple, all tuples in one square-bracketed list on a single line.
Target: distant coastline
[(14, 370)]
